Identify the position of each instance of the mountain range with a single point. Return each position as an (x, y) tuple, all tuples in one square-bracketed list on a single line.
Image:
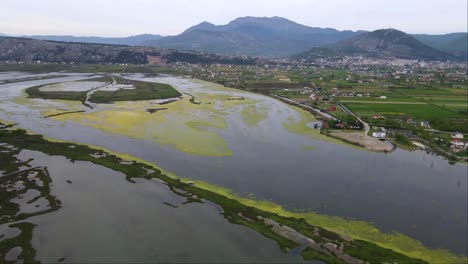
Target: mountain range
[(256, 36), (280, 37)]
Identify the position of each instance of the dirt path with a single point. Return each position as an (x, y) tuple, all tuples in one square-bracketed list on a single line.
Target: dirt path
[(363, 140)]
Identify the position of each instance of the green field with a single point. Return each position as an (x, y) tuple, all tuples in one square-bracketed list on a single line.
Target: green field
[(445, 108), (377, 99), (418, 112), (431, 91)]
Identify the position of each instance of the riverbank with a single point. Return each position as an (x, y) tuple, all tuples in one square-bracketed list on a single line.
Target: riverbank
[(236, 210), (353, 137), (360, 139)]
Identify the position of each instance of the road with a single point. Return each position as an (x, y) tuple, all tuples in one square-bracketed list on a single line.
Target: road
[(318, 111), (349, 112)]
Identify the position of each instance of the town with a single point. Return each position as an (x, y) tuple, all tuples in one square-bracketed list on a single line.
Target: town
[(414, 104)]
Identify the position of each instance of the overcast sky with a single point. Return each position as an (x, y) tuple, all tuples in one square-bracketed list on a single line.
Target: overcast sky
[(170, 17)]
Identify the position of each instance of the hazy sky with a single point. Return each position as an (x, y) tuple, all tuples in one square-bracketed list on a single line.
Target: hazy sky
[(170, 17)]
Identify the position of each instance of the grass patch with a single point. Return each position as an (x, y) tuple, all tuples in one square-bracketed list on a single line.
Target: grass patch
[(142, 91), (23, 240), (419, 112), (374, 254), (404, 142), (311, 254), (35, 92)]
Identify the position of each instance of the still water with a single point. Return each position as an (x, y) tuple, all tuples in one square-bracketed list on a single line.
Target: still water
[(414, 193), (106, 219)]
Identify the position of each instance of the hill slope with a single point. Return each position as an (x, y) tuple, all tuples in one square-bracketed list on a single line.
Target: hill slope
[(259, 36), (390, 43), (383, 43), (29, 50), (132, 40), (454, 43)]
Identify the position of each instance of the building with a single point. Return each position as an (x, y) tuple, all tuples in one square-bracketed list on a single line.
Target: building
[(425, 124), (410, 121), (458, 144), (379, 134), (457, 135)]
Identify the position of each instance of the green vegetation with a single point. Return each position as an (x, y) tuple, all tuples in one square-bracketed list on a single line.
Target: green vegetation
[(311, 254), (403, 141), (374, 254), (12, 172), (154, 110), (65, 113), (10, 211), (142, 91), (192, 99), (233, 210), (35, 92), (401, 111), (23, 240)]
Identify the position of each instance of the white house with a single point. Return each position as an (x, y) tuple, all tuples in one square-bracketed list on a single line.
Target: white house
[(458, 144), (425, 124), (379, 134), (457, 135)]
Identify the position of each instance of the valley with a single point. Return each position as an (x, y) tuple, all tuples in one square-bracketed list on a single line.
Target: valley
[(324, 132)]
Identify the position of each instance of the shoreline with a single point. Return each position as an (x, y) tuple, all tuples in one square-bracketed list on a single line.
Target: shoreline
[(231, 204), (360, 139), (353, 137)]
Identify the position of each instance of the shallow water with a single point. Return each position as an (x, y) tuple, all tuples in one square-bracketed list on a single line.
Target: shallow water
[(105, 218), (414, 193), (13, 254)]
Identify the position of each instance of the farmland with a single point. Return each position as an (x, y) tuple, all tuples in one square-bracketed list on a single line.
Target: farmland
[(437, 105), (395, 110)]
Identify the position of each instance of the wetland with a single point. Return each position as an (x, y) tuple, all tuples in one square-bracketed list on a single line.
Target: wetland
[(207, 176)]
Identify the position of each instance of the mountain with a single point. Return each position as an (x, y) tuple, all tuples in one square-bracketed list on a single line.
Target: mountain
[(3, 35), (383, 43), (257, 36), (211, 41), (454, 43), (31, 50), (390, 43), (131, 41), (203, 26), (318, 53)]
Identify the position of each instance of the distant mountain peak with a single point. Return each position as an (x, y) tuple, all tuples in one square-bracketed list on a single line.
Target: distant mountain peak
[(257, 36), (276, 20), (202, 26), (388, 33), (390, 43), (206, 23)]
